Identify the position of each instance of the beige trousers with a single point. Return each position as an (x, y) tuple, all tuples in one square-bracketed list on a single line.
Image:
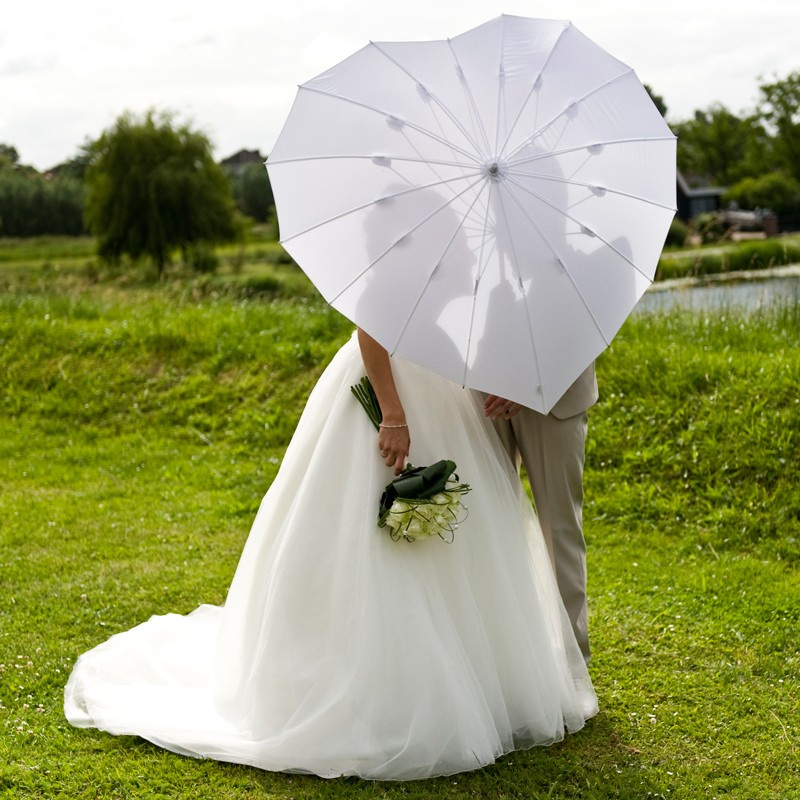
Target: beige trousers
[(552, 451)]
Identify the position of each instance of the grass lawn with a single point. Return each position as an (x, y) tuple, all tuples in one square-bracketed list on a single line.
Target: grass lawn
[(140, 425)]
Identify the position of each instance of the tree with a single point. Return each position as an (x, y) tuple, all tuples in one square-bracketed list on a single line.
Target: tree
[(76, 166), (658, 100), (780, 108), (252, 192), (8, 155), (153, 187), (717, 147)]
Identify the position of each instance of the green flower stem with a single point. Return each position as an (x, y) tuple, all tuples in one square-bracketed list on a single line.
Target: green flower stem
[(365, 395)]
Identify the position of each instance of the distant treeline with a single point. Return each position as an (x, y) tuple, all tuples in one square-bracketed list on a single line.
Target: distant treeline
[(754, 155), (31, 205), (35, 204)]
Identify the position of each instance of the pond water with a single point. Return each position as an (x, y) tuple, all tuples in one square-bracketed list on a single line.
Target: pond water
[(747, 292)]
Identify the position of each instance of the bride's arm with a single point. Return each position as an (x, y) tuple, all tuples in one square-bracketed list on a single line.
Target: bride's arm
[(394, 439)]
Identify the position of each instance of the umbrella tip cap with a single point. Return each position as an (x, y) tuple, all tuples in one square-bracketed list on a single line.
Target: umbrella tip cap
[(493, 169)]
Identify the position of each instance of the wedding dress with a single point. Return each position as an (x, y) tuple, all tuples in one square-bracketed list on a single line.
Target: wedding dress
[(342, 652)]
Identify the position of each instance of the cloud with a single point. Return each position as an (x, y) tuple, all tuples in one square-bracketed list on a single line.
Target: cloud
[(22, 65), (68, 69)]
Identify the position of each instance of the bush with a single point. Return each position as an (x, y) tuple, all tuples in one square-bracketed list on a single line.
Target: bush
[(774, 191), (762, 255), (678, 233), (709, 227), (201, 257)]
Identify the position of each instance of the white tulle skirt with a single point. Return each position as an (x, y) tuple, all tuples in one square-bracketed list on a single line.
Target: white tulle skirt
[(342, 652)]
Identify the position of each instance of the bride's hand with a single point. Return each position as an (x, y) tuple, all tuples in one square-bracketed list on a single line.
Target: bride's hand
[(394, 444)]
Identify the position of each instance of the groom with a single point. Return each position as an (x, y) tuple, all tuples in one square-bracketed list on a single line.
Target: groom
[(552, 448)]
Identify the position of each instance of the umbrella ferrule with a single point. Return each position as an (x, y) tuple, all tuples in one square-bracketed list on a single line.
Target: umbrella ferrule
[(493, 169)]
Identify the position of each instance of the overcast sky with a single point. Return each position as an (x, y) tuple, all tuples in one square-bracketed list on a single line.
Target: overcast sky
[(68, 68)]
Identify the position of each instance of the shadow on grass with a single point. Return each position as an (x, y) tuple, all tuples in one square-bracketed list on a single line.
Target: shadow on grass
[(593, 764)]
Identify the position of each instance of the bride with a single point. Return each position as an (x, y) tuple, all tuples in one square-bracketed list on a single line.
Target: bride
[(340, 651)]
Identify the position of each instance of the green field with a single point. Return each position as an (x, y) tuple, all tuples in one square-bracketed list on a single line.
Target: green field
[(141, 424)]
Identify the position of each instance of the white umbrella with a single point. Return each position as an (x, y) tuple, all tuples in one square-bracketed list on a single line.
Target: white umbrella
[(490, 206)]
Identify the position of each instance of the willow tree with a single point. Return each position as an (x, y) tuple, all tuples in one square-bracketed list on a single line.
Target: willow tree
[(154, 188)]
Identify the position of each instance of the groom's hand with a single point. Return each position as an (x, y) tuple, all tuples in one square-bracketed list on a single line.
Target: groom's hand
[(496, 407)]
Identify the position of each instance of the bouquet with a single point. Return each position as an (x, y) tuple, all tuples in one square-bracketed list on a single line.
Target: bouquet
[(422, 501)]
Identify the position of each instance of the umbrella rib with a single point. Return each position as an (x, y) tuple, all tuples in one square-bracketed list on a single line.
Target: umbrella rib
[(341, 214), (433, 96), (424, 131), (561, 211), (470, 97), (481, 271), (558, 258), (515, 261), (458, 228), (410, 231), (574, 148), (532, 89), (572, 182), (561, 113), (363, 157), (466, 171)]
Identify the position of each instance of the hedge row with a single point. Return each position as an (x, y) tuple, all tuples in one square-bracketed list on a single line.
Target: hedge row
[(754, 255)]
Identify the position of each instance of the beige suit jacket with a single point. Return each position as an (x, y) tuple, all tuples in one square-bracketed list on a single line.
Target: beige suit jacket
[(580, 397)]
